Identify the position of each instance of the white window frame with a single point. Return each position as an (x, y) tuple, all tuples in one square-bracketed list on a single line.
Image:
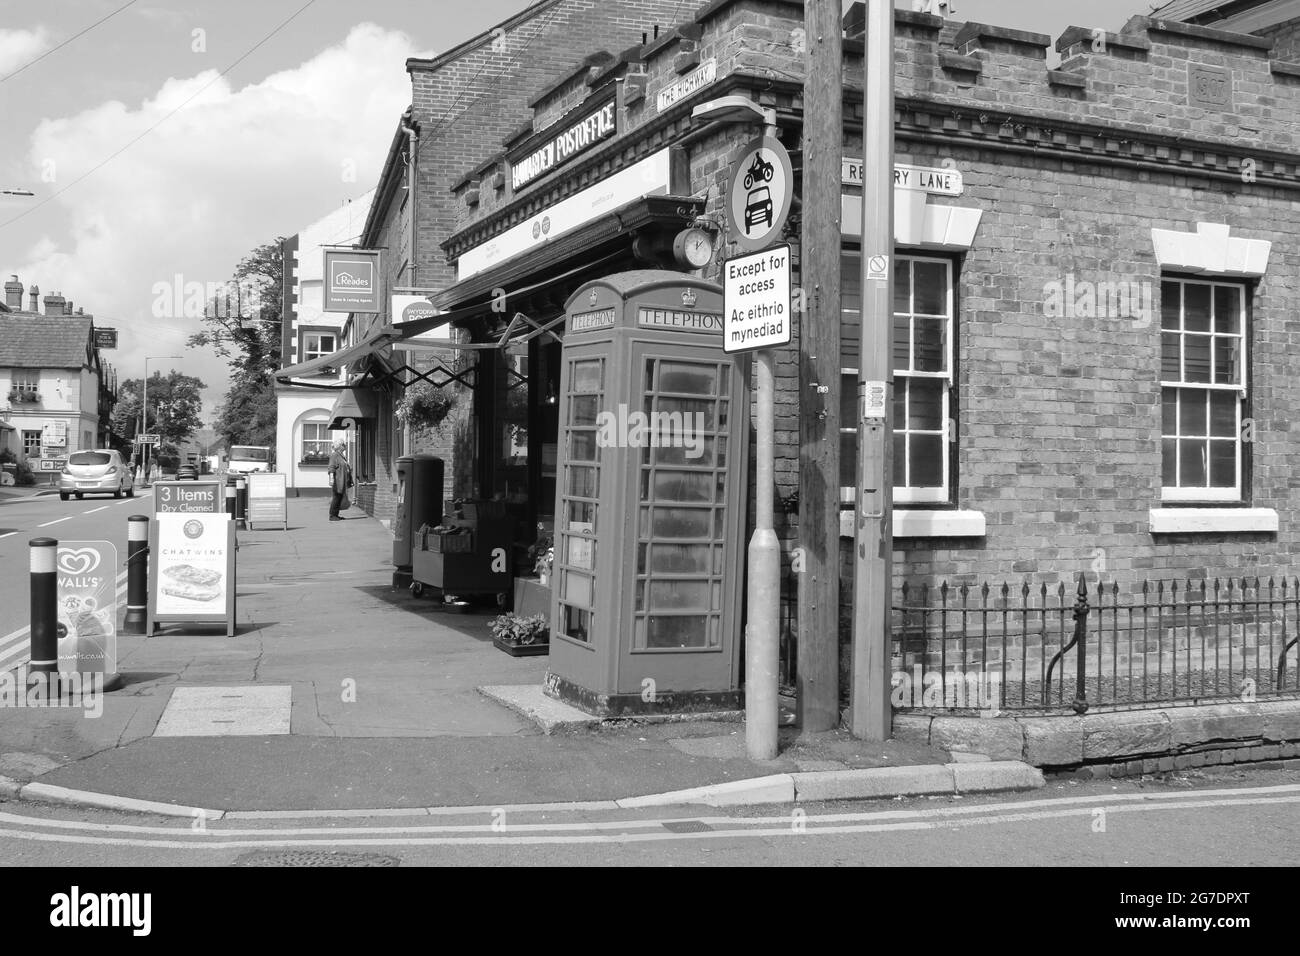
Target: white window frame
[(26, 380), (309, 354), (907, 494), (304, 441), (31, 449), (1239, 389)]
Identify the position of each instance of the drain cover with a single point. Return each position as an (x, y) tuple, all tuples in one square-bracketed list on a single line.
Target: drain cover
[(686, 826), (313, 858)]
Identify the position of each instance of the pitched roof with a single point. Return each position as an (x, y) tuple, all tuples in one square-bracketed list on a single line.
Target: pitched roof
[(44, 341)]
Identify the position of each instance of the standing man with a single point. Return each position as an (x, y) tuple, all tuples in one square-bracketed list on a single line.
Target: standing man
[(340, 478)]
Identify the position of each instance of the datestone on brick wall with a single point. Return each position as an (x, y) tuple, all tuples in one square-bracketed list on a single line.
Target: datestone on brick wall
[(1106, 736), (1052, 741), (999, 737), (1214, 722)]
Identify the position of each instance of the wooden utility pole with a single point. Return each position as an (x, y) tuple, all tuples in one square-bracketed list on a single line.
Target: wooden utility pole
[(819, 372), (873, 522)]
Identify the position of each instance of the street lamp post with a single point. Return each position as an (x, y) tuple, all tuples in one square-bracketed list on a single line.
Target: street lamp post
[(144, 408)]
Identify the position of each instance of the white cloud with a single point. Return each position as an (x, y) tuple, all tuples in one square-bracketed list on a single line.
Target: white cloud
[(19, 47), (230, 170)]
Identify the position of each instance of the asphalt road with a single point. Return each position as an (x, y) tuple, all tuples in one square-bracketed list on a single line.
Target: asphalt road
[(94, 518), (1229, 818)]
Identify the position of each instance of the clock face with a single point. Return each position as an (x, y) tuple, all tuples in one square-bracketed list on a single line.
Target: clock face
[(696, 247)]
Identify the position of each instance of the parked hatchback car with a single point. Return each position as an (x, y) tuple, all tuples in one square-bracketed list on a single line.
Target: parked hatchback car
[(98, 472)]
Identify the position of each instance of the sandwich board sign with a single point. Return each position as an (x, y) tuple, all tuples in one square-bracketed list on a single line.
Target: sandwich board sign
[(86, 578), (188, 497), (192, 570), (266, 499)]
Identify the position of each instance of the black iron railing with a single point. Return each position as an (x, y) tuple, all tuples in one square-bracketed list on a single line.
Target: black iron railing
[(1052, 647)]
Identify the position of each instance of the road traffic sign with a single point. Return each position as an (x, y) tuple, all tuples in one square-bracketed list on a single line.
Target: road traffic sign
[(756, 300), (146, 439), (759, 194)]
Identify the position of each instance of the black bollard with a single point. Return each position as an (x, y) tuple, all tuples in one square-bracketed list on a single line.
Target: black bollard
[(44, 606), (230, 498), (137, 574), (241, 500)]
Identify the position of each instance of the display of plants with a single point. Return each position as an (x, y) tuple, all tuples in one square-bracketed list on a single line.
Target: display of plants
[(424, 405), (513, 629)]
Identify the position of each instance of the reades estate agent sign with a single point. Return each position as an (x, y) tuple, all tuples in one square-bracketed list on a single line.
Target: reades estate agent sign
[(351, 280), (564, 145)]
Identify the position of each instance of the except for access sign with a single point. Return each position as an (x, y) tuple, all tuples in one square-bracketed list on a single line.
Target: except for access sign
[(756, 300)]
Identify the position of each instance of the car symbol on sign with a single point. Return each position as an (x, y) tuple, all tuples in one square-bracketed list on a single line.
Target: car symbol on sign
[(758, 208)]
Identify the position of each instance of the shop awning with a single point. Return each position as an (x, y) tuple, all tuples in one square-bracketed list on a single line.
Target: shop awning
[(352, 404), (286, 376)]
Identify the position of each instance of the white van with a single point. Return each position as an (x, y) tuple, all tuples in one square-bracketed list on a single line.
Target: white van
[(247, 458)]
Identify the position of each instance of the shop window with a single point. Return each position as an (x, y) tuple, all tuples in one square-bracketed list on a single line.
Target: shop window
[(1202, 389), (31, 444), (317, 343), (316, 441), (923, 375)]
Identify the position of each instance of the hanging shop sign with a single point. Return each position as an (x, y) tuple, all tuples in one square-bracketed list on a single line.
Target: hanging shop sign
[(756, 300), (697, 79), (931, 179), (759, 194), (192, 570), (649, 177), (105, 338), (571, 141), (86, 579), (413, 308), (351, 280)]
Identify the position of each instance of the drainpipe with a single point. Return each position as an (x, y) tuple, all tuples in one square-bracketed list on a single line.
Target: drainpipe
[(412, 159)]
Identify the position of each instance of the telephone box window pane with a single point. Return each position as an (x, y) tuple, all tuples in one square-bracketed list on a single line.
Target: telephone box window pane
[(682, 558), (585, 409), (725, 381), (582, 446), (577, 588), (576, 623), (1169, 411), (699, 453), (695, 486), (587, 377), (687, 378), (723, 413), (902, 342), (582, 554), (1196, 307), (679, 595), (681, 523), (677, 631), (583, 482), (676, 414), (582, 515)]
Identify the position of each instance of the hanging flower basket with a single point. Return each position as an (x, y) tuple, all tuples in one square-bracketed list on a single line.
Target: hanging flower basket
[(424, 406)]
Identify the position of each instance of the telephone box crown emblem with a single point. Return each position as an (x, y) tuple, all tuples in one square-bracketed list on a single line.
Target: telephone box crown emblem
[(688, 299), (593, 297)]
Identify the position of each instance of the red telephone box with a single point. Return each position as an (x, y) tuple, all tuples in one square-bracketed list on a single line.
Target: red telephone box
[(650, 500)]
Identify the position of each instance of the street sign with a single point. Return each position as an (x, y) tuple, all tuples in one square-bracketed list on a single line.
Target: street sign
[(86, 578), (52, 464), (935, 180), (189, 497), (146, 439), (759, 194), (105, 338), (756, 300)]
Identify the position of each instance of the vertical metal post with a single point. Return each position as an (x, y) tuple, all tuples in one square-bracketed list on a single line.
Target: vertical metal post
[(137, 574), (230, 498), (241, 499), (817, 675), (873, 547), (44, 606), (762, 648), (1081, 647)]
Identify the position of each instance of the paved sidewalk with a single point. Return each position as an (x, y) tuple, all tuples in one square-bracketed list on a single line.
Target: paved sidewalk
[(382, 700)]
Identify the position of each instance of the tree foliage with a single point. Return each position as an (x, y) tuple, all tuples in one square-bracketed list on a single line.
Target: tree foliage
[(175, 407), (244, 326)]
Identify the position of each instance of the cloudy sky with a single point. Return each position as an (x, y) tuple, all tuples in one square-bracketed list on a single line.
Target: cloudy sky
[(172, 137)]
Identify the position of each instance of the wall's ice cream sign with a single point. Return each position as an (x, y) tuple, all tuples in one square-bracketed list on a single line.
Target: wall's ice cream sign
[(563, 146), (351, 280)]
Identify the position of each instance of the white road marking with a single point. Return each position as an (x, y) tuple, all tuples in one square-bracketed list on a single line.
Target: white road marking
[(55, 521), (93, 510), (213, 838), (8, 534)]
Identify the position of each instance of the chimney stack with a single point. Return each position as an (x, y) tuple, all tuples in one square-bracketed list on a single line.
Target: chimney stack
[(54, 304), (67, 307), (14, 294), (35, 293)]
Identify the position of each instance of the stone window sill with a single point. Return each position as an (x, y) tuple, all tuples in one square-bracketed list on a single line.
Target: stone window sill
[(910, 523), (1212, 520)]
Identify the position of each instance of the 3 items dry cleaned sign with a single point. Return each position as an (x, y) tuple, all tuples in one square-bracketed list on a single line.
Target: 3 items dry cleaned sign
[(756, 300), (351, 280)]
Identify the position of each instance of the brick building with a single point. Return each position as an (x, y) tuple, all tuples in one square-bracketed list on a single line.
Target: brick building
[(1093, 307)]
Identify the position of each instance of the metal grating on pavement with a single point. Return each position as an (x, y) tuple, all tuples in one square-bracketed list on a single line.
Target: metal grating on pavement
[(313, 858), (687, 826)]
